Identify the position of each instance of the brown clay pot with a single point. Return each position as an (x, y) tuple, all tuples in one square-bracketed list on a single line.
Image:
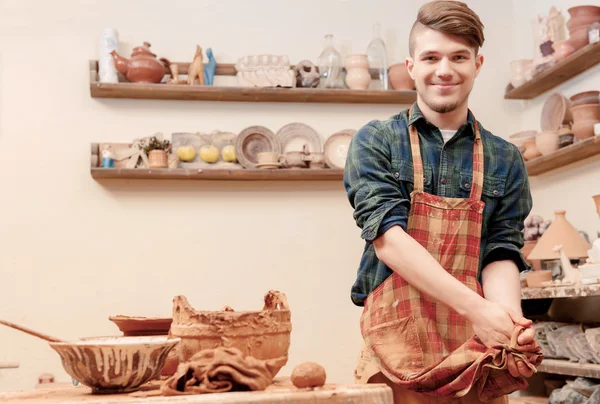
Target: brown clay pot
[(158, 159), (143, 67), (586, 112), (586, 97), (578, 38), (399, 77), (584, 129), (262, 334), (562, 49), (580, 11), (582, 21)]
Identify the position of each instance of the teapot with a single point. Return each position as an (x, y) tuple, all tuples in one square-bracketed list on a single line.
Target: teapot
[(143, 67)]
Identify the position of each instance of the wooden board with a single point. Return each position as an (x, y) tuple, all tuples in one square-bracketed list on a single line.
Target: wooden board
[(330, 394), (244, 94), (580, 61), (527, 400), (563, 291), (215, 174), (562, 367), (565, 156)]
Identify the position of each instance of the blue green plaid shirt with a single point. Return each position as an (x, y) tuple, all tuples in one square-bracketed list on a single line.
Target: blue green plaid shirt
[(378, 179)]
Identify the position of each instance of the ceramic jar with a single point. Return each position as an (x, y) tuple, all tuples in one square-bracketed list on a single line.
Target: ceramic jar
[(547, 142), (357, 68), (579, 37), (586, 97), (158, 159), (399, 77), (586, 112)]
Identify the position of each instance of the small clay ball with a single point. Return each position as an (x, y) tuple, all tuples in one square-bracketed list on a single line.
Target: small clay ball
[(308, 374)]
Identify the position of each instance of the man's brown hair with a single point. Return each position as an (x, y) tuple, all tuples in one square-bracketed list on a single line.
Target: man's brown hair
[(452, 18)]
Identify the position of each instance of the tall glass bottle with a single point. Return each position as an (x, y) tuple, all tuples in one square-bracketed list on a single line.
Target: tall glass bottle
[(377, 55), (330, 66)]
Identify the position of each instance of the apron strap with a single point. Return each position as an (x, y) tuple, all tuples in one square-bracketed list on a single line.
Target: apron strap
[(478, 167)]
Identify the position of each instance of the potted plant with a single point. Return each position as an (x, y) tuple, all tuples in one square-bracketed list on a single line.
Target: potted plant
[(157, 151)]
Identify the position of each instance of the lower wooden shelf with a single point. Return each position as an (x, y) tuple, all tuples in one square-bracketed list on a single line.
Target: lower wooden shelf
[(562, 291), (563, 367), (219, 174), (565, 156)]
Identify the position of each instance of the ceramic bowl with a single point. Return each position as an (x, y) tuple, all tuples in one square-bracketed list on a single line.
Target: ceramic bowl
[(115, 364), (518, 139), (263, 334), (586, 97), (579, 37), (584, 129), (562, 49), (547, 142)]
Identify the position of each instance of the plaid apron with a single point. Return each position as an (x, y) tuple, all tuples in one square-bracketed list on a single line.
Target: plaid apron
[(420, 344)]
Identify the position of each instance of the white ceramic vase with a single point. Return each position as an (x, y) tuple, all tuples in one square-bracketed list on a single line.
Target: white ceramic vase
[(357, 72)]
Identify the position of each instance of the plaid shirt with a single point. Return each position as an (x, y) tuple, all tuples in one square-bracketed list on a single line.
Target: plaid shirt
[(378, 178)]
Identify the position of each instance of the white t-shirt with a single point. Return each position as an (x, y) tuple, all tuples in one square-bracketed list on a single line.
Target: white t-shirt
[(447, 134)]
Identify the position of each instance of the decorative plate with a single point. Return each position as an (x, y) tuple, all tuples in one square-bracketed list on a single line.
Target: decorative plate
[(294, 136), (336, 148), (557, 109), (253, 140)]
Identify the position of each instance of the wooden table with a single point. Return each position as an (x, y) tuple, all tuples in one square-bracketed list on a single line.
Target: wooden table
[(275, 394)]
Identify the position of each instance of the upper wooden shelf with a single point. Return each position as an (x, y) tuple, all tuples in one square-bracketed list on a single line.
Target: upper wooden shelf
[(246, 94), (564, 70), (564, 367), (303, 174), (564, 156), (562, 291)]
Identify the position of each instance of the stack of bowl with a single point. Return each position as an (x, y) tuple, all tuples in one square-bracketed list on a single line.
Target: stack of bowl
[(586, 113), (581, 19)]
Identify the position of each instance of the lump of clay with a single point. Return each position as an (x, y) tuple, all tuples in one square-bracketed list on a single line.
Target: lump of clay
[(308, 374)]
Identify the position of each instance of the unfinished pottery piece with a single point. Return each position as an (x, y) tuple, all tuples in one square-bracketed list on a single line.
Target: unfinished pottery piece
[(114, 364), (143, 67), (254, 140), (263, 334), (560, 233), (308, 374), (141, 326)]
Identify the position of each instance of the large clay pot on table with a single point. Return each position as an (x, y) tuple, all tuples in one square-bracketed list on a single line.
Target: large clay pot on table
[(261, 334)]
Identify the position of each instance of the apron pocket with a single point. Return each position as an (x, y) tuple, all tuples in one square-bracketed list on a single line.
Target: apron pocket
[(396, 344)]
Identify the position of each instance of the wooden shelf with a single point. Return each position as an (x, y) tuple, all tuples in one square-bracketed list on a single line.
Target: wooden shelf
[(580, 61), (559, 292), (563, 367), (219, 174), (565, 156), (244, 94)]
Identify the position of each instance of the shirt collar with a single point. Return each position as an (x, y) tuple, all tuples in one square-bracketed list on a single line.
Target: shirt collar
[(418, 115)]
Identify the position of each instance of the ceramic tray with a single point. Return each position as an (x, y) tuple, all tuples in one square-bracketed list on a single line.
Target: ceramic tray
[(336, 148), (294, 136), (253, 140)]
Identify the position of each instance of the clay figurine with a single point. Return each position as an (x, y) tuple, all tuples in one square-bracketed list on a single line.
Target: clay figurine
[(196, 69), (209, 68), (174, 79), (306, 74), (143, 67)]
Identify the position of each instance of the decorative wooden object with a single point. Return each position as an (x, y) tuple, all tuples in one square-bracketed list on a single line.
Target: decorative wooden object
[(580, 61), (324, 174), (247, 94), (564, 156)]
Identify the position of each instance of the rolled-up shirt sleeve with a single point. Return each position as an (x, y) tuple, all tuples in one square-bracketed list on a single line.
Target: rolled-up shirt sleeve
[(371, 185), (505, 232)]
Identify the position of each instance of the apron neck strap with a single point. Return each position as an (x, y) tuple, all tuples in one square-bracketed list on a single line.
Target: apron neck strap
[(478, 167)]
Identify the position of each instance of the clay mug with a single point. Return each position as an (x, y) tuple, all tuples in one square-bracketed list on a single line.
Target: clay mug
[(293, 160), (316, 160), (267, 158)]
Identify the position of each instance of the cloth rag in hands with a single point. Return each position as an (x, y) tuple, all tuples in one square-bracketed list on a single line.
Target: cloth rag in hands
[(219, 370)]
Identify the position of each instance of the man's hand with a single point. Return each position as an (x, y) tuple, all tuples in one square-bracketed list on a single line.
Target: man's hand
[(494, 324)]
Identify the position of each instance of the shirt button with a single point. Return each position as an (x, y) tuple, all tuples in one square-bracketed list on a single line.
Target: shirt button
[(443, 180), (467, 185), (397, 175), (495, 192)]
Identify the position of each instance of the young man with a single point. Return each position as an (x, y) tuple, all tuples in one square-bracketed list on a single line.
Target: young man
[(441, 204)]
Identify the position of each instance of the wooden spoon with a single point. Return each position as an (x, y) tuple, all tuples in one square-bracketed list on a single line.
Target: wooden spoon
[(29, 331)]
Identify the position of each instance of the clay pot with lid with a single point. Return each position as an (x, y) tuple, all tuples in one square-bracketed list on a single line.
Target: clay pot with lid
[(143, 66), (263, 334), (399, 77)]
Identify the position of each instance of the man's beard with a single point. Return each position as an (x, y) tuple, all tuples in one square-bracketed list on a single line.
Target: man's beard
[(442, 108)]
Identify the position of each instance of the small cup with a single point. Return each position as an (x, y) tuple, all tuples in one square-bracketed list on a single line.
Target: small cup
[(267, 158), (316, 160)]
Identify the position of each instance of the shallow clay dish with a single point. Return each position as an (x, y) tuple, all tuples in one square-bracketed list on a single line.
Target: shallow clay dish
[(294, 136), (140, 326), (114, 364), (557, 109), (336, 148), (263, 334), (253, 140), (519, 138)]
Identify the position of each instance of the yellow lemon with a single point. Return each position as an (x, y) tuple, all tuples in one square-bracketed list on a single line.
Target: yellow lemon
[(186, 153), (209, 153), (228, 153)]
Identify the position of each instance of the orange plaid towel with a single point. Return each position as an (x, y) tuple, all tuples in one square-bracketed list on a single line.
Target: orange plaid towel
[(473, 366)]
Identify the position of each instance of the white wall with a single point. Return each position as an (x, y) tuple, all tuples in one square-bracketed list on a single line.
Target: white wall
[(570, 188), (75, 251)]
